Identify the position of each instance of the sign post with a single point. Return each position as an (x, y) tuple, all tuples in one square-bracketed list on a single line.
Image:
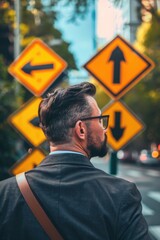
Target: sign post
[(36, 68), (118, 67), (124, 124), (26, 121), (28, 162), (113, 163)]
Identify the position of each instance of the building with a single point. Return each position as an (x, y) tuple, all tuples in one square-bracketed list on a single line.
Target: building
[(119, 19)]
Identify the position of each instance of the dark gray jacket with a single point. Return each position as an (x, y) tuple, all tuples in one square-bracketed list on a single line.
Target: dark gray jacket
[(84, 203)]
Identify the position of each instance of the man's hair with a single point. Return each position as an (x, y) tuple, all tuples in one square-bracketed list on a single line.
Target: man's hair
[(61, 109)]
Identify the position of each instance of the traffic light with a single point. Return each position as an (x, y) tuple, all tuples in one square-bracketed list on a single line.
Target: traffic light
[(6, 43)]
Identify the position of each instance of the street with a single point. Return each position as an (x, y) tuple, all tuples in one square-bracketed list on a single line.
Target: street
[(147, 181)]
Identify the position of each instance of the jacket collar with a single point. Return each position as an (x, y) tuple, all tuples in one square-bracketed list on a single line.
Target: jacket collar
[(66, 158)]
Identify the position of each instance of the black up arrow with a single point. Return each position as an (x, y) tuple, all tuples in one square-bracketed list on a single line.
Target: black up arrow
[(117, 57), (117, 131), (28, 68)]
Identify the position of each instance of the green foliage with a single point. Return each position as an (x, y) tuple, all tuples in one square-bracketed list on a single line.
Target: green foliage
[(36, 21), (8, 105), (153, 35), (79, 7), (144, 98)]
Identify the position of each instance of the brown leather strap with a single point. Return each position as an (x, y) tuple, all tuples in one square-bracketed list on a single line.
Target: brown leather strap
[(36, 208)]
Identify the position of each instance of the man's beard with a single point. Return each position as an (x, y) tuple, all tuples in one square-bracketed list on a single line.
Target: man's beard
[(95, 150)]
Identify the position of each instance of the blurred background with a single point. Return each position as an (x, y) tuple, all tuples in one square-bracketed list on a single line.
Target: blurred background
[(76, 30)]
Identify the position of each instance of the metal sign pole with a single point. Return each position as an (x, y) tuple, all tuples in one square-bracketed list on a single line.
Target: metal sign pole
[(17, 37), (113, 163), (17, 29)]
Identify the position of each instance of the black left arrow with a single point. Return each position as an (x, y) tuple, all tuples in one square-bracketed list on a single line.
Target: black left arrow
[(117, 130), (117, 57), (28, 68)]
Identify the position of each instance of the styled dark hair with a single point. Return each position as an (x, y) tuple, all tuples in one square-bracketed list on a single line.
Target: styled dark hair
[(62, 108)]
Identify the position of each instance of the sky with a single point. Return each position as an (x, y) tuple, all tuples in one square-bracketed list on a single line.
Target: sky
[(81, 34)]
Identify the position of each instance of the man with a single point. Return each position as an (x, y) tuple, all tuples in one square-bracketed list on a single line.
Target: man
[(83, 203)]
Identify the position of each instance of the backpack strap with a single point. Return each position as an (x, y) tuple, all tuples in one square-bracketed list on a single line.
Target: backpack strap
[(36, 208)]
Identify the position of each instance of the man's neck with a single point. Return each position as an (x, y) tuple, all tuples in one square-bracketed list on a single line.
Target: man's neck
[(67, 147)]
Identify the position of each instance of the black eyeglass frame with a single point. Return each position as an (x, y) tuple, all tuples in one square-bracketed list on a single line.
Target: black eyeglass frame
[(97, 117)]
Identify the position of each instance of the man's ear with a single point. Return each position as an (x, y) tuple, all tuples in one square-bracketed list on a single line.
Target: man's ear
[(80, 129)]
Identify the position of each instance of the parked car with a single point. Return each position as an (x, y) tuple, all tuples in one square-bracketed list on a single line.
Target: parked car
[(148, 157), (127, 156)]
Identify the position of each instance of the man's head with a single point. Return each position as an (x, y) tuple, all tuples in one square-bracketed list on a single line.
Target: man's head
[(63, 119)]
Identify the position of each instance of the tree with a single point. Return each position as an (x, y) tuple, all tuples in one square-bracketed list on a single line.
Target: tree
[(147, 92), (6, 42), (7, 136), (35, 22), (148, 9), (6, 31)]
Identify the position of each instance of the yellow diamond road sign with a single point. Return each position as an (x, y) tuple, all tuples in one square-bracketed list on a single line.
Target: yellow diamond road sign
[(25, 120), (28, 162), (123, 125), (118, 67), (37, 67)]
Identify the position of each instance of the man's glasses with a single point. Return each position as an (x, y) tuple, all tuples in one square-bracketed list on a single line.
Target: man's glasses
[(104, 120)]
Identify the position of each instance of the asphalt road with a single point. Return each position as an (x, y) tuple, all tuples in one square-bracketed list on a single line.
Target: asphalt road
[(147, 180)]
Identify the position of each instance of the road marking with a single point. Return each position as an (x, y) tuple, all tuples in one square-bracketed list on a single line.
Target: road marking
[(155, 231), (153, 173), (154, 195), (146, 210), (98, 160), (134, 173)]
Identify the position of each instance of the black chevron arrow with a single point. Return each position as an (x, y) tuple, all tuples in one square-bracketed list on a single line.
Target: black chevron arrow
[(34, 165), (117, 130), (117, 57), (28, 68), (35, 122)]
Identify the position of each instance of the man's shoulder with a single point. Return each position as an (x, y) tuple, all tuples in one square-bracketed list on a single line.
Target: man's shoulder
[(114, 183), (9, 193), (8, 185)]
